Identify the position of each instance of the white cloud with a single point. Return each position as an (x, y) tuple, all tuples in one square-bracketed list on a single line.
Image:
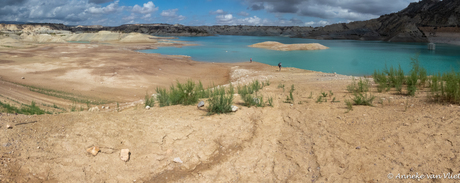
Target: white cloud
[(148, 7), (243, 13), (224, 19), (111, 8), (146, 16), (250, 21), (171, 15), (330, 9), (230, 20), (218, 12), (318, 23), (130, 17)]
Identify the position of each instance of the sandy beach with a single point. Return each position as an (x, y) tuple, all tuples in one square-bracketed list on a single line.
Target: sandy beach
[(304, 141)]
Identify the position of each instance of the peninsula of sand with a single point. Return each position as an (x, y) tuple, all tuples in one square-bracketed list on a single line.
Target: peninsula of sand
[(273, 45)]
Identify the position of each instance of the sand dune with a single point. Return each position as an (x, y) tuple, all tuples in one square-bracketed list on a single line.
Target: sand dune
[(273, 45)]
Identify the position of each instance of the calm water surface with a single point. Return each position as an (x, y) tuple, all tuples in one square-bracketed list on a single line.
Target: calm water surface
[(344, 56)]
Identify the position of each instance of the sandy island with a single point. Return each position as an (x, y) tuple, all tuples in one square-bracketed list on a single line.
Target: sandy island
[(273, 45), (300, 142)]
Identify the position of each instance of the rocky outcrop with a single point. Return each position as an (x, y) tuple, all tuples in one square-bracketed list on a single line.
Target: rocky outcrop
[(273, 45), (416, 23), (292, 31)]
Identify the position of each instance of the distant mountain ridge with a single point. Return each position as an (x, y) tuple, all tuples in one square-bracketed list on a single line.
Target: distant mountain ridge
[(425, 21)]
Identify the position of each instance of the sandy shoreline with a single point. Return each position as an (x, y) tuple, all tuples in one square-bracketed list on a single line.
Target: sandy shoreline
[(301, 142)]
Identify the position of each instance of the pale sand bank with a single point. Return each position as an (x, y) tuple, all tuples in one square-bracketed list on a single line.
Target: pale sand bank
[(273, 45)]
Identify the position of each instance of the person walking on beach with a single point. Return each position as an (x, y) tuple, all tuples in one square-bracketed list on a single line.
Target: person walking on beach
[(250, 60), (279, 65)]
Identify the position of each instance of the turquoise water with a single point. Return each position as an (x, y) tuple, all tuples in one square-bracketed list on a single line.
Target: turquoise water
[(344, 56)]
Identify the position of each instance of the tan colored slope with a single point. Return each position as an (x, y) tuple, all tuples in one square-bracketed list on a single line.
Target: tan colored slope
[(273, 45), (42, 38), (107, 36)]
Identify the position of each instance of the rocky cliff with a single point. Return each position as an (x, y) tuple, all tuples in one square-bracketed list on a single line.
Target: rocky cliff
[(419, 22)]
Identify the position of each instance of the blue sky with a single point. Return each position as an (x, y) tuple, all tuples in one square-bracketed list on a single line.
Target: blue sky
[(198, 12)]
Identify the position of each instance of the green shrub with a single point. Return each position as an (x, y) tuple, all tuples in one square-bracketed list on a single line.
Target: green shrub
[(219, 104), (412, 83), (349, 105), (363, 99), (25, 109), (361, 86), (149, 100), (281, 86), (290, 98), (400, 80), (422, 76), (383, 82), (319, 99), (391, 76), (270, 101), (163, 97), (452, 87)]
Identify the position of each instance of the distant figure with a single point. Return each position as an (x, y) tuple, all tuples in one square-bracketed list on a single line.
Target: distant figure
[(279, 65), (250, 60)]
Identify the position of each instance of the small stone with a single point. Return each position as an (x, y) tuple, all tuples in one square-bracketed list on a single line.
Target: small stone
[(234, 108), (359, 147), (23, 78), (38, 147), (9, 127), (94, 109), (103, 107), (107, 107), (178, 160), (93, 150), (147, 107), (256, 100), (124, 154), (201, 104)]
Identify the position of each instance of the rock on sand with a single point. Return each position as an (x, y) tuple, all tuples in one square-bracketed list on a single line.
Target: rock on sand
[(93, 150), (273, 45), (124, 154)]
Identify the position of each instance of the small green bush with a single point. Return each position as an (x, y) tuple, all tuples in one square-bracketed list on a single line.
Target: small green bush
[(163, 97), (149, 100), (363, 99), (270, 101), (361, 86), (349, 105), (281, 86), (219, 104), (26, 109)]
